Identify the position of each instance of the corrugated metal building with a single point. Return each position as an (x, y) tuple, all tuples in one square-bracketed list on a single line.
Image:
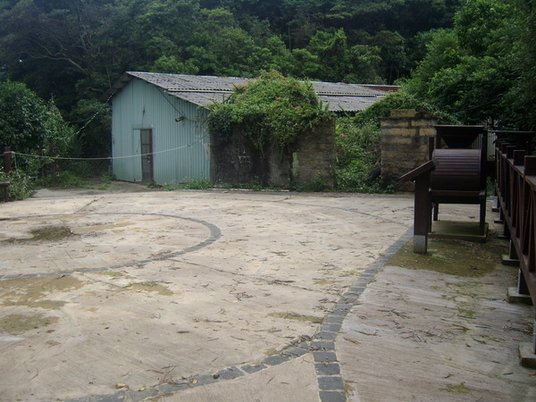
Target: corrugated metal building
[(159, 122)]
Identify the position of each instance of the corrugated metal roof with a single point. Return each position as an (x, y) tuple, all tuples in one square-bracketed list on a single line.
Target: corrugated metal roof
[(204, 90)]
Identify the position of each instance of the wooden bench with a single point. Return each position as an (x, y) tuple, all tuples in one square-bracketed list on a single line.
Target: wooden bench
[(4, 186)]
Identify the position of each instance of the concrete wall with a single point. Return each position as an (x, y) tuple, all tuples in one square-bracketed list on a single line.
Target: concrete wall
[(232, 160), (310, 162), (313, 162), (405, 138)]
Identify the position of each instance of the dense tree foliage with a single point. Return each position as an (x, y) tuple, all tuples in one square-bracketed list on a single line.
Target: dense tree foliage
[(30, 125), (483, 69), (473, 59), (74, 50), (358, 140)]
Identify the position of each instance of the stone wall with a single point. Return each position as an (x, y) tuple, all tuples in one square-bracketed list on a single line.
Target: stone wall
[(232, 161), (405, 139), (313, 161), (309, 163)]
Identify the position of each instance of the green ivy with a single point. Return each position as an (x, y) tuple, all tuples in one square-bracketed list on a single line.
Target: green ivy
[(358, 142), (399, 100), (358, 154), (272, 109)]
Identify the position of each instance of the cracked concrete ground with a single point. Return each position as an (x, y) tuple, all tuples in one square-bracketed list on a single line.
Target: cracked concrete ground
[(147, 288), (204, 295)]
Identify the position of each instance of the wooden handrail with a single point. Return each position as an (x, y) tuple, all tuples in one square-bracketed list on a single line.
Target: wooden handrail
[(516, 196), (425, 168)]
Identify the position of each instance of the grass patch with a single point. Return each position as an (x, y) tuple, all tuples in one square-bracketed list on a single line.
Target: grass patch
[(51, 233), (15, 324), (75, 179), (198, 184), (458, 388), (113, 274), (32, 292), (455, 257), (297, 317), (151, 287), (466, 312)]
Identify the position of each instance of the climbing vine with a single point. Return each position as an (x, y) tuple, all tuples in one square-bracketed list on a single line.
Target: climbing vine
[(272, 109)]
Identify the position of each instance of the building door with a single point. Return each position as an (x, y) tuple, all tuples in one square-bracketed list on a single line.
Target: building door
[(146, 140)]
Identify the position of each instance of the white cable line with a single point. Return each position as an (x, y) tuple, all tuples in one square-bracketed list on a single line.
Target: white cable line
[(88, 122), (107, 157)]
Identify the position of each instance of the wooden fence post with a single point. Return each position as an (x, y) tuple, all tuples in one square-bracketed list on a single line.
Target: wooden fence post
[(423, 209), (8, 158), (423, 205)]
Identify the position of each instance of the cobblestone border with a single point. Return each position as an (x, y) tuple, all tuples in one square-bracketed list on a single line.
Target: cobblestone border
[(322, 346), (328, 370)]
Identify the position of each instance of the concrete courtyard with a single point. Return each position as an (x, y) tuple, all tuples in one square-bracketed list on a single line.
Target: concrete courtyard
[(244, 296)]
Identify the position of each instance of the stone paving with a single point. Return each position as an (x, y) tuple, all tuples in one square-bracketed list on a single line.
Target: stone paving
[(143, 294), (195, 296)]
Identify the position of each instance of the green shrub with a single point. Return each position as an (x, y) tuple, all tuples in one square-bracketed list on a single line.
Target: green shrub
[(75, 175), (315, 185), (21, 185), (358, 154), (399, 100), (28, 124), (273, 109), (63, 179), (358, 143), (197, 184)]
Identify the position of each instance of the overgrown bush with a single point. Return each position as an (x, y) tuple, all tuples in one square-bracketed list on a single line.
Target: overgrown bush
[(358, 153), (28, 124), (399, 100), (273, 109), (76, 174), (21, 185), (358, 140)]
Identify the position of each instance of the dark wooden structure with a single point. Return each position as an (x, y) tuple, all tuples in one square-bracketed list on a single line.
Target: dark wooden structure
[(422, 223), (455, 174), (460, 175), (516, 197)]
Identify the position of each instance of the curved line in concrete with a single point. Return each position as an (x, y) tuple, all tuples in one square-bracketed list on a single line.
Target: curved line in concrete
[(352, 210), (322, 346), (215, 234)]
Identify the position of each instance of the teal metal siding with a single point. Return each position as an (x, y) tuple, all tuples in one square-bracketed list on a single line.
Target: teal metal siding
[(180, 135)]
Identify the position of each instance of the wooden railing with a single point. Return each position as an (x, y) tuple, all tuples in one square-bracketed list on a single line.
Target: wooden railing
[(516, 196)]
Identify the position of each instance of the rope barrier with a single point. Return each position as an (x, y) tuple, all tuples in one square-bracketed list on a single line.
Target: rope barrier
[(106, 157)]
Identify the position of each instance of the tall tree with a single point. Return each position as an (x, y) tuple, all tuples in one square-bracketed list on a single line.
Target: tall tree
[(477, 70)]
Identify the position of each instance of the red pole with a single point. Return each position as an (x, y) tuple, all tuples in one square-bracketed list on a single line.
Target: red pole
[(8, 157)]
